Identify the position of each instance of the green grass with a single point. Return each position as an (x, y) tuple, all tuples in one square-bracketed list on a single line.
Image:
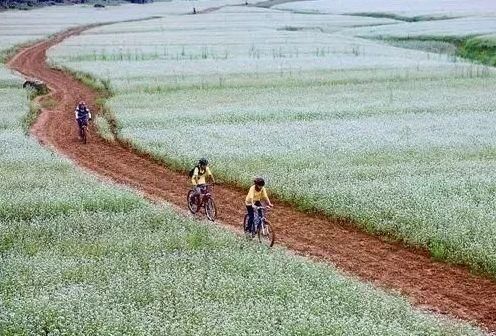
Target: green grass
[(401, 170), (481, 49), (150, 272), (386, 137), (415, 18), (81, 257), (104, 128), (6, 54), (102, 86)]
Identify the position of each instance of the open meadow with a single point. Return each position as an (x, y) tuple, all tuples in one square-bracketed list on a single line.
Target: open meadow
[(342, 114), (82, 257), (397, 139)]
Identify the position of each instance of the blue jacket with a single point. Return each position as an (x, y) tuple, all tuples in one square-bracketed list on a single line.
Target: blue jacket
[(82, 112)]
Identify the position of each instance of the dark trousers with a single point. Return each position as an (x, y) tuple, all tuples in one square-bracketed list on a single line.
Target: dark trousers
[(251, 215), (82, 122), (199, 189)]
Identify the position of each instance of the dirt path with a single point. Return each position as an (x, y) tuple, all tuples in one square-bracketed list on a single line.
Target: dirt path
[(431, 285)]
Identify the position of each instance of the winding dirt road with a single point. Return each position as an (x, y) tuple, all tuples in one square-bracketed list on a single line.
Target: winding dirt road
[(431, 285)]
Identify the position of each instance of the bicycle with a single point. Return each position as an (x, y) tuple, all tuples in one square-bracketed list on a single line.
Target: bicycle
[(206, 201), (262, 230), (83, 131), (84, 134)]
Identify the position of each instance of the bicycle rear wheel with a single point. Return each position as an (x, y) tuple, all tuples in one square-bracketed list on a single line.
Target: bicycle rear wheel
[(192, 205), (266, 234), (210, 209)]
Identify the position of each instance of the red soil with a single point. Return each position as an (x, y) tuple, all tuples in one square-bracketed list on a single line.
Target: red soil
[(431, 285)]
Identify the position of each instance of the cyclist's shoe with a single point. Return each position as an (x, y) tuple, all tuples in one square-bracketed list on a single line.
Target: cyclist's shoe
[(249, 234)]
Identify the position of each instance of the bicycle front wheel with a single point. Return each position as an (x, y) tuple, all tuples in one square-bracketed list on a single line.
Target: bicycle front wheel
[(210, 209), (266, 234), (84, 134)]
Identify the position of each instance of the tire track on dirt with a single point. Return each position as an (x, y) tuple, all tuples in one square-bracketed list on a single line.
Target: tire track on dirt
[(431, 285)]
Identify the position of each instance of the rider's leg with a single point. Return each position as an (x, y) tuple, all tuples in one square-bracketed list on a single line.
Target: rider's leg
[(251, 218), (259, 212), (195, 193), (194, 188), (198, 193), (258, 204), (80, 127)]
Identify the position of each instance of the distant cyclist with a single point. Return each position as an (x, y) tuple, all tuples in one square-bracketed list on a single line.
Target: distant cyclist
[(83, 115), (256, 194), (199, 178)]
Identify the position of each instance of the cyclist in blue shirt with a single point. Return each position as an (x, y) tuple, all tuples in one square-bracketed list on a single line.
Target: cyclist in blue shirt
[(83, 115)]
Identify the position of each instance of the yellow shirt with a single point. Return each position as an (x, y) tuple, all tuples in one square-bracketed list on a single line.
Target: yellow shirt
[(254, 196), (201, 175)]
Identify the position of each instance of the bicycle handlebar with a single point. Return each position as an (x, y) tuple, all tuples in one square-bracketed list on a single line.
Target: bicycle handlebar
[(264, 207)]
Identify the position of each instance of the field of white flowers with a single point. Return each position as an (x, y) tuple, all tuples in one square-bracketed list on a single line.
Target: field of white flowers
[(399, 140), (193, 49), (454, 28), (18, 27), (405, 8), (79, 257)]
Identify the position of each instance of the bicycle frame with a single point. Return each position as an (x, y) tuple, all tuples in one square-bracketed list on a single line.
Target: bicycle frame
[(261, 227), (204, 199), (205, 194), (259, 221), (83, 130)]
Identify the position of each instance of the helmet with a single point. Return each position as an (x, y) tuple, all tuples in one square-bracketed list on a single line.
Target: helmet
[(203, 162), (259, 181)]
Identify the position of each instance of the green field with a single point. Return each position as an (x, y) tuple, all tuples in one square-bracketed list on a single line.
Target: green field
[(397, 139), (81, 257)]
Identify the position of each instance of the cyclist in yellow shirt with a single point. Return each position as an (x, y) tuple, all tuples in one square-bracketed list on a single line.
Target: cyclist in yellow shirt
[(199, 178), (256, 194)]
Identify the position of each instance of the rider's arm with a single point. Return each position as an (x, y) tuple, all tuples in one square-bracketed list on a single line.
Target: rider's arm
[(209, 173), (89, 114), (266, 197), (76, 113)]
